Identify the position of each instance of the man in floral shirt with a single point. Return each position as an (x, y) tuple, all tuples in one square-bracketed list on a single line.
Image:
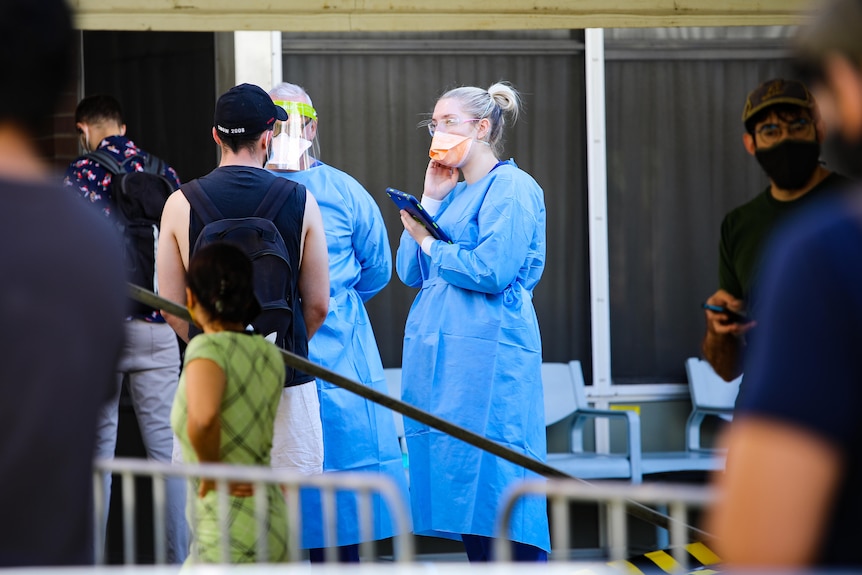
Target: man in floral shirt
[(150, 360)]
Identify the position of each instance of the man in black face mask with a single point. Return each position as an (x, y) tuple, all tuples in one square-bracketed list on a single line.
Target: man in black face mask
[(782, 132)]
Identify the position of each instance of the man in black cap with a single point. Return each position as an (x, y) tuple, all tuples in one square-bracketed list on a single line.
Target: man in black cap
[(62, 305), (243, 124), (783, 133)]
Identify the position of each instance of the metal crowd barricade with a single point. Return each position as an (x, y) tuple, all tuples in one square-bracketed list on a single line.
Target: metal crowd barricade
[(363, 484), (407, 410), (616, 496)]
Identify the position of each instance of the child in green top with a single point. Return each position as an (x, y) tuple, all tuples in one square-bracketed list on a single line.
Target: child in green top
[(225, 406)]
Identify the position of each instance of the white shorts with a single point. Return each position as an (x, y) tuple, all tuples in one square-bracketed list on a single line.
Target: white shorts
[(297, 443)]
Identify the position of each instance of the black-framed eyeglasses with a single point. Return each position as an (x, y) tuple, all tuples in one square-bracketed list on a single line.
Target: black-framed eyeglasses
[(771, 133)]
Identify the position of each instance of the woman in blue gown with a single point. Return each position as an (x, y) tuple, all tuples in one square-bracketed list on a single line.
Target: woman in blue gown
[(472, 350)]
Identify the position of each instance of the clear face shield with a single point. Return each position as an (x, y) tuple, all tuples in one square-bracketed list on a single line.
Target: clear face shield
[(292, 139)]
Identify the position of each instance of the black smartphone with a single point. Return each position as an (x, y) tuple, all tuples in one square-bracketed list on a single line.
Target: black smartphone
[(732, 316), (405, 201)]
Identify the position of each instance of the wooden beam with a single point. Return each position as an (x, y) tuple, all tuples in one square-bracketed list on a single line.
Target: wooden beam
[(441, 15)]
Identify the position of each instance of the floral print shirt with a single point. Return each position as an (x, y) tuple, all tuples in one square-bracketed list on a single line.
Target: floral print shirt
[(93, 182)]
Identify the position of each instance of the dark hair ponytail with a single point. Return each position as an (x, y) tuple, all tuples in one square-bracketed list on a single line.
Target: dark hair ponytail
[(221, 278)]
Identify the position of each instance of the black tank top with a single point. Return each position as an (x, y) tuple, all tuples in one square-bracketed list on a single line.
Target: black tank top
[(237, 192)]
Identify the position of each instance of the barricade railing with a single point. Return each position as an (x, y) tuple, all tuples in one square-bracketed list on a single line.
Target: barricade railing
[(407, 410), (364, 485), (616, 496)]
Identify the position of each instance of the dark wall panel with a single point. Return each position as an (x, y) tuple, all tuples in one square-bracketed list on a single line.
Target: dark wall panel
[(676, 165), (675, 160), (165, 82), (369, 106)]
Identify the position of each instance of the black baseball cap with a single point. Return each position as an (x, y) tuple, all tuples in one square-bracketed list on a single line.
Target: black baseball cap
[(246, 110), (777, 91)]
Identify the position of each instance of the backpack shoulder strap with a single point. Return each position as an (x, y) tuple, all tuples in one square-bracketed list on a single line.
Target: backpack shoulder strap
[(201, 202), (106, 160), (274, 199), (154, 165)]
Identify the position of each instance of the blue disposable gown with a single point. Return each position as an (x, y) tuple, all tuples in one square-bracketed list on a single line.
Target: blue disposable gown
[(358, 435), (472, 355)]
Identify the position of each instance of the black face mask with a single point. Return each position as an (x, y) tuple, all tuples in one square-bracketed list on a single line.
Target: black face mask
[(843, 156), (791, 163)]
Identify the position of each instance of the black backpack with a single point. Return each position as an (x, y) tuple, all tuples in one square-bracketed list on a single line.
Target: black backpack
[(261, 241), (138, 200)]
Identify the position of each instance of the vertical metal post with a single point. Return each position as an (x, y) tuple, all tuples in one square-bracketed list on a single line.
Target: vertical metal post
[(330, 528), (679, 533), (99, 515), (404, 548), (367, 545), (597, 190), (129, 537), (294, 522), (502, 548), (560, 531), (159, 499), (597, 193), (617, 526), (261, 515), (276, 50), (192, 495), (223, 511), (256, 56)]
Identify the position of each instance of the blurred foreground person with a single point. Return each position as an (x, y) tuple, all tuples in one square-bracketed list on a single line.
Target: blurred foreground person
[(791, 493), (62, 306)]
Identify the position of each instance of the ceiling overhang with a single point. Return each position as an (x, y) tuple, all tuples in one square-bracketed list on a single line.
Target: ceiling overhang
[(439, 15)]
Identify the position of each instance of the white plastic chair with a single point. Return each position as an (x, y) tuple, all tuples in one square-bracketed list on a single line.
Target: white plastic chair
[(710, 396), (642, 462), (565, 396)]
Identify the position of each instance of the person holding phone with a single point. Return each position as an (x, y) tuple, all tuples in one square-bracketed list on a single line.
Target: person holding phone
[(472, 350), (783, 132)]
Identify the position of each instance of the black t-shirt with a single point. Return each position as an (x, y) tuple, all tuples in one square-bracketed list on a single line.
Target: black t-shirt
[(62, 308), (745, 234), (746, 229)]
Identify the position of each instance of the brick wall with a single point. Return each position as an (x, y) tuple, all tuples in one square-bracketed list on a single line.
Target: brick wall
[(59, 141)]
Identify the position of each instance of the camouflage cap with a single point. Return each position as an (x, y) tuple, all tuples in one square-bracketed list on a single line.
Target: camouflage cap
[(776, 91)]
